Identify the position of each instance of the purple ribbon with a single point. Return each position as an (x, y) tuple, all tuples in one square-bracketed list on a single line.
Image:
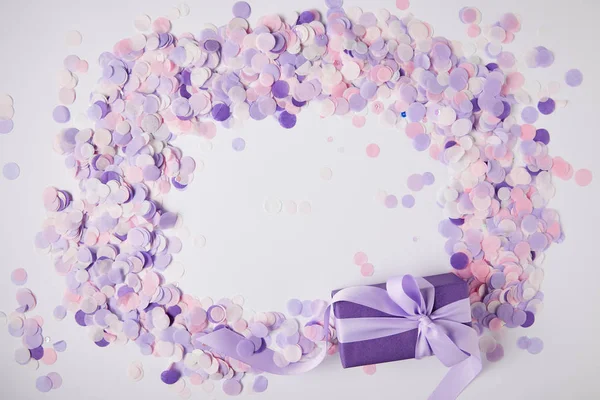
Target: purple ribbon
[(409, 302)]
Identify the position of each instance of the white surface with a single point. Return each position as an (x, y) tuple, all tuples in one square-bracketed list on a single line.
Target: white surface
[(270, 258)]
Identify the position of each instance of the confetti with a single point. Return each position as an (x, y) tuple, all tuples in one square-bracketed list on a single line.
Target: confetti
[(43, 384), (583, 177), (391, 201), (373, 150), (260, 384), (369, 369), (574, 78), (11, 171), (367, 269), (74, 38), (495, 355), (113, 240), (408, 201), (326, 174), (536, 345), (19, 276)]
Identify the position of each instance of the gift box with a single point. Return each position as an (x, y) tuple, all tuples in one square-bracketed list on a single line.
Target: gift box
[(448, 288)]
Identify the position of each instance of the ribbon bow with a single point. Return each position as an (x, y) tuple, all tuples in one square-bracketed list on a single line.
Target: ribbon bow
[(409, 302)]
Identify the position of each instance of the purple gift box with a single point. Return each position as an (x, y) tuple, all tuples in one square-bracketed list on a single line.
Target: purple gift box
[(448, 289)]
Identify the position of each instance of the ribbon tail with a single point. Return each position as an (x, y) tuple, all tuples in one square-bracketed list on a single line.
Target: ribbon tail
[(225, 341), (457, 379)]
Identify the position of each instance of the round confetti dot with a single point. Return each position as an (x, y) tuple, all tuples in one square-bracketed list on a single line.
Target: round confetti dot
[(273, 206), (536, 345), (260, 384), (294, 307), (574, 77), (73, 38), (19, 276), (304, 207), (408, 201), (49, 356), (487, 344), (583, 177), (367, 269), (403, 4), (11, 171), (199, 241), (292, 353), (523, 342), (43, 384), (60, 346), (238, 144), (547, 106), (56, 379), (290, 207), (66, 96), (61, 114), (232, 387), (241, 9), (428, 179), (369, 369), (459, 260), (287, 120), (360, 258), (326, 174), (415, 182), (22, 356), (6, 99), (170, 376), (391, 201), (495, 355), (245, 348), (142, 23), (6, 126), (60, 312), (373, 150)]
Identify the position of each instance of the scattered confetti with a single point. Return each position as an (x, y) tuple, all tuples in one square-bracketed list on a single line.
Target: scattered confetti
[(369, 369), (403, 4), (583, 177), (238, 144), (360, 258), (373, 150), (536, 345), (391, 201), (11, 171), (142, 23), (290, 207), (304, 207), (326, 174), (74, 38), (408, 201), (6, 126), (135, 371), (574, 78), (367, 269), (157, 86), (495, 355), (60, 313), (56, 379), (260, 384), (294, 307), (523, 342), (19, 277), (273, 206), (415, 182), (60, 346), (43, 384)]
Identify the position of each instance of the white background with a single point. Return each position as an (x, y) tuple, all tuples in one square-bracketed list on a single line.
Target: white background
[(270, 258)]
